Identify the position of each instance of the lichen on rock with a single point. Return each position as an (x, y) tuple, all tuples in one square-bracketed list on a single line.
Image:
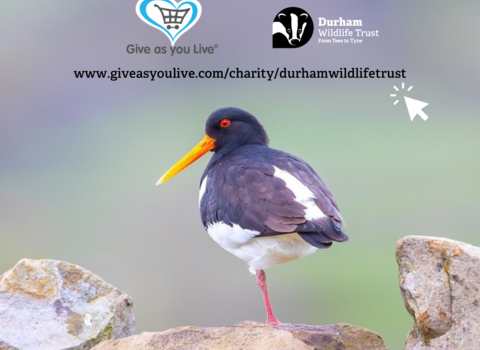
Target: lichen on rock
[(49, 304), (253, 336), (439, 281)]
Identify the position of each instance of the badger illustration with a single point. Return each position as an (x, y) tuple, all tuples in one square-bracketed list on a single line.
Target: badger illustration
[(292, 28)]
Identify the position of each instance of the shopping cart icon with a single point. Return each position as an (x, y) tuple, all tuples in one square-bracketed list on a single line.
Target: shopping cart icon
[(171, 17)]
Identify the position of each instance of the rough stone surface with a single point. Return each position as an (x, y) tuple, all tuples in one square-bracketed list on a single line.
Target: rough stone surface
[(440, 281), (252, 336), (49, 305)]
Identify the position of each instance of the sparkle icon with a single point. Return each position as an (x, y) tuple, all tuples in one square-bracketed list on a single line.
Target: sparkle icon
[(414, 107)]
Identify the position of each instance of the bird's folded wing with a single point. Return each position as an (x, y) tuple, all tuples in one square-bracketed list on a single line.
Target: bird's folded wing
[(272, 197)]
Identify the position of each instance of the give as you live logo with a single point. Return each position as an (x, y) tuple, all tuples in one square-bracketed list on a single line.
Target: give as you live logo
[(292, 28), (172, 18)]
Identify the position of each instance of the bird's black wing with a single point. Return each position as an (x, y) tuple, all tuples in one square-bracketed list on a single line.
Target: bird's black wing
[(246, 192)]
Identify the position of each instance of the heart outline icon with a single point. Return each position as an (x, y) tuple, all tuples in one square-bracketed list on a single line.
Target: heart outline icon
[(146, 12)]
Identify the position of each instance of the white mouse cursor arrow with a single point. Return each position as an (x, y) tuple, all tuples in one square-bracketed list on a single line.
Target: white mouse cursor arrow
[(415, 107)]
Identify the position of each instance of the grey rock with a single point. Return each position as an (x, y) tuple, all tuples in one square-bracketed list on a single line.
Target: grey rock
[(252, 336), (440, 281), (50, 305)]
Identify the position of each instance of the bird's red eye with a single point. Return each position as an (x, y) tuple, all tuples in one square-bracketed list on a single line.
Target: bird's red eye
[(225, 123)]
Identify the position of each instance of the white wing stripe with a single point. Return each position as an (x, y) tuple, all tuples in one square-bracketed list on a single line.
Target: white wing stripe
[(203, 188), (302, 193)]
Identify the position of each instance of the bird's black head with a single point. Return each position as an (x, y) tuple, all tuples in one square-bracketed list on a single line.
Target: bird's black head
[(226, 129), (232, 127)]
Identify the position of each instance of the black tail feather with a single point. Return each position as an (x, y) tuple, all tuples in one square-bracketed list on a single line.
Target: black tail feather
[(324, 233), (316, 239)]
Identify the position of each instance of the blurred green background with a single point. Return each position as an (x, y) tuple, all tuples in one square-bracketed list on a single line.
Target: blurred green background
[(79, 158)]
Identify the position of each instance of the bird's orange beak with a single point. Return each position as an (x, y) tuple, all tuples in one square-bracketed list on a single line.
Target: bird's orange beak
[(207, 144)]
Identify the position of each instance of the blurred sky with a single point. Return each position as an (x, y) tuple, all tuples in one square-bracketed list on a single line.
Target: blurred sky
[(79, 158)]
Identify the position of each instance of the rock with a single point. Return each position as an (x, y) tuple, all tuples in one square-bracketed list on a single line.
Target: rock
[(440, 281), (252, 335), (50, 305)]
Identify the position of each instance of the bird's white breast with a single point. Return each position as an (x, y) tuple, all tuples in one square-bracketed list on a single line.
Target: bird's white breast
[(230, 237), (303, 194), (259, 252)]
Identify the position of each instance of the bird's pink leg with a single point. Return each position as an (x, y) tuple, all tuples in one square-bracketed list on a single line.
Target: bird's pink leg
[(262, 282)]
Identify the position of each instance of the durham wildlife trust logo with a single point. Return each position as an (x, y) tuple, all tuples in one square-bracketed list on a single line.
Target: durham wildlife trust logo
[(172, 18), (292, 28)]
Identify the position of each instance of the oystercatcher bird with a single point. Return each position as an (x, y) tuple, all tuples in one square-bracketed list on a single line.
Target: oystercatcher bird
[(265, 206)]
